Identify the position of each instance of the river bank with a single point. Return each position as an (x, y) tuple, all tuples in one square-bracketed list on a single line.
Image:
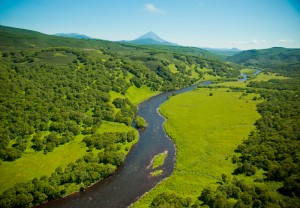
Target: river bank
[(206, 125), (131, 180)]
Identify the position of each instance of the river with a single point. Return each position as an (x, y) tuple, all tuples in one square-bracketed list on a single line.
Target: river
[(132, 179), (257, 71)]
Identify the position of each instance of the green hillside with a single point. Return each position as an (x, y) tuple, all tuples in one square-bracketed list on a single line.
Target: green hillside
[(284, 60)]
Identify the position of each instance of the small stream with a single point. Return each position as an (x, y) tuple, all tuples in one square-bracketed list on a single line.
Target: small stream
[(132, 179)]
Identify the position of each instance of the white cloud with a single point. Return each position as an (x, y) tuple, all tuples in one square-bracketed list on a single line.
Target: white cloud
[(151, 8), (285, 41)]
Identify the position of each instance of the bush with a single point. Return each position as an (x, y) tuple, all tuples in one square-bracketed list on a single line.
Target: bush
[(140, 122)]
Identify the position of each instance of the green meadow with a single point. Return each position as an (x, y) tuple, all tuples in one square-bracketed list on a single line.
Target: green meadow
[(206, 126), (248, 71), (134, 94), (259, 78)]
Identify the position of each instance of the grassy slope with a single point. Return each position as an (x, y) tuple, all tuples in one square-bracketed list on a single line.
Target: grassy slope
[(38, 164), (134, 94), (206, 130)]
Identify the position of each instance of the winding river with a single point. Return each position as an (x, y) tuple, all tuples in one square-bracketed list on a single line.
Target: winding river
[(245, 78), (132, 179)]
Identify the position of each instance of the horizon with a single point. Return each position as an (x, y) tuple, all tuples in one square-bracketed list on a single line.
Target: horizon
[(228, 24)]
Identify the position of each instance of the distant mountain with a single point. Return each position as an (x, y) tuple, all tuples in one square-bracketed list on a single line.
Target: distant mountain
[(224, 51), (150, 38), (151, 35), (73, 35)]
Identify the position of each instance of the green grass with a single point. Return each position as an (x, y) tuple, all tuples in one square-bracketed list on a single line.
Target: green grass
[(37, 164), (159, 159), (206, 130), (248, 71), (268, 76), (258, 78), (156, 173), (192, 68), (58, 54), (134, 94), (137, 95), (232, 84), (173, 68)]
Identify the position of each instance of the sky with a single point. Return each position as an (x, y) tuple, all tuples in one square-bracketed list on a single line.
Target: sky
[(243, 24)]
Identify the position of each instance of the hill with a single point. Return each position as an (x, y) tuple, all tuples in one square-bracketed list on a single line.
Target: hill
[(224, 51), (22, 39), (277, 59)]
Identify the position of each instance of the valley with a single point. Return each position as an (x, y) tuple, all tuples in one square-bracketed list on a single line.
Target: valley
[(68, 114)]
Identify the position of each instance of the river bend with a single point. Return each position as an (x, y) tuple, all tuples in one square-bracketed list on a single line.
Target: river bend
[(132, 179)]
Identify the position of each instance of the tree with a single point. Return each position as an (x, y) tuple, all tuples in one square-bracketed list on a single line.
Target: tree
[(140, 122), (119, 102), (130, 136), (24, 200)]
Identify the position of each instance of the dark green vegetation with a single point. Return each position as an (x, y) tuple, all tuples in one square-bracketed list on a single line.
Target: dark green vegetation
[(268, 159), (55, 91), (276, 59), (274, 147)]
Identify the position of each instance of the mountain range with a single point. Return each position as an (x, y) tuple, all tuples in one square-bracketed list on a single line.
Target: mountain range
[(73, 35), (151, 38)]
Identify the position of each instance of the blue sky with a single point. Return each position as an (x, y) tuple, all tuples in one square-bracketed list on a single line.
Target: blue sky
[(244, 24)]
